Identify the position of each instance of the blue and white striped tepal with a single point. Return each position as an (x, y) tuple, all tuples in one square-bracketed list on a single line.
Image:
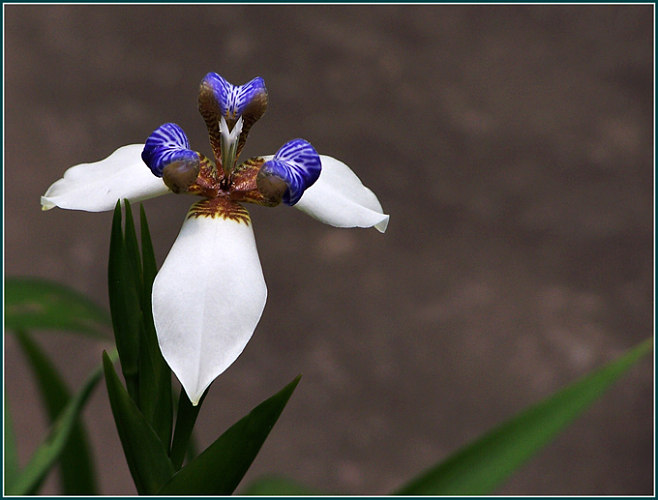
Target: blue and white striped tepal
[(166, 144), (298, 164), (233, 100)]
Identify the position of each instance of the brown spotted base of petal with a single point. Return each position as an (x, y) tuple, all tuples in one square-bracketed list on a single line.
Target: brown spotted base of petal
[(244, 184), (210, 180), (221, 207), (241, 186)]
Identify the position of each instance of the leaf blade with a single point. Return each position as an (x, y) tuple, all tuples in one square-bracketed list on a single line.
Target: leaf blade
[(132, 250), (35, 303), (155, 390), (185, 419), (76, 461), (219, 469), (478, 468), (277, 486), (48, 452), (145, 453), (11, 453), (124, 306)]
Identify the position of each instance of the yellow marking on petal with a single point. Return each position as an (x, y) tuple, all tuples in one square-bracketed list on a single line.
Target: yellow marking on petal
[(221, 207)]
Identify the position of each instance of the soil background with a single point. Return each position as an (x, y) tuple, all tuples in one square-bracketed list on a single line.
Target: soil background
[(513, 148)]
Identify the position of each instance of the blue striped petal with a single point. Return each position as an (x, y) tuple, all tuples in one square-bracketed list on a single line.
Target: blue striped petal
[(298, 165), (234, 99), (166, 144)]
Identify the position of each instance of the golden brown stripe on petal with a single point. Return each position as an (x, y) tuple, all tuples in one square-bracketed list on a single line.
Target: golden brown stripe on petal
[(220, 208)]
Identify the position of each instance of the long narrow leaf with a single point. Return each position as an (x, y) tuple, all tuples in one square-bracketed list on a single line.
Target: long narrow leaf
[(131, 267), (154, 405), (155, 383), (33, 303), (481, 466), (76, 461), (132, 250), (220, 468), (124, 306), (149, 264), (145, 453), (11, 453), (48, 452), (278, 486), (185, 418)]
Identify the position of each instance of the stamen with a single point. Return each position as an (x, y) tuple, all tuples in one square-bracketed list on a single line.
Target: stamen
[(229, 139)]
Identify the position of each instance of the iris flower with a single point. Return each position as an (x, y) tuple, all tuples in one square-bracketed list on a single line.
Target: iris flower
[(210, 293)]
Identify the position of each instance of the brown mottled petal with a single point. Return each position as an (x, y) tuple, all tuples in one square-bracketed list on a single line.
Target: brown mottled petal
[(251, 114), (209, 181), (211, 113), (246, 187)]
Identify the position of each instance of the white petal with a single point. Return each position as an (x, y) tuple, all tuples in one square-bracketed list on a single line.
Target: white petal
[(340, 199), (96, 187), (207, 299)]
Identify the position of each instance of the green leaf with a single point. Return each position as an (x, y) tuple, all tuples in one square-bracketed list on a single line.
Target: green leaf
[(124, 306), (32, 303), (49, 451), (145, 453), (481, 466), (192, 449), (150, 267), (219, 469), (11, 453), (76, 461), (155, 381), (185, 419), (278, 486), (132, 250)]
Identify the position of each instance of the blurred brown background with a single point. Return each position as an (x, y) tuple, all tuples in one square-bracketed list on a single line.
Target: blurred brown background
[(512, 146)]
